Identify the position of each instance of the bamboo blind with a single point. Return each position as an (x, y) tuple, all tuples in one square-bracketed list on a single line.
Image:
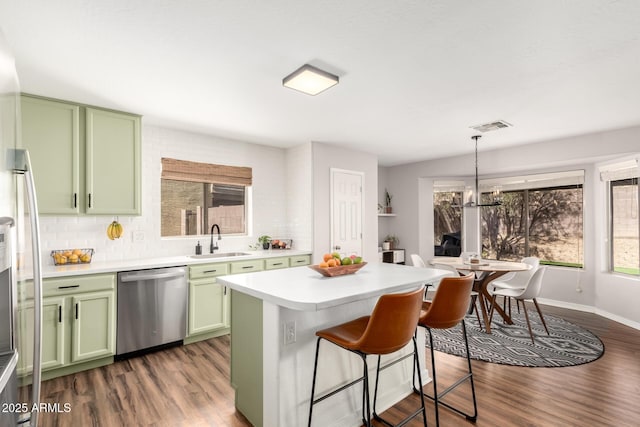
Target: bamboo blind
[(183, 170)]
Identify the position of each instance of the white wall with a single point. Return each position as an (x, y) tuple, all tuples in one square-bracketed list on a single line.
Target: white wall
[(299, 190), (325, 157), (592, 288), (269, 204)]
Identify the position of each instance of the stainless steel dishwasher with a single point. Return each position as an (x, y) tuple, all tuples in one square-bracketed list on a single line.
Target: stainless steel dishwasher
[(152, 309)]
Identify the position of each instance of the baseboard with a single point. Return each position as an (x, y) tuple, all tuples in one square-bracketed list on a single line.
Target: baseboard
[(619, 319), (569, 305), (591, 309), (207, 335)]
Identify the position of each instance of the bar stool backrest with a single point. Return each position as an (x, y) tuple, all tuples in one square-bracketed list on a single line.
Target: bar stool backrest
[(450, 302), (392, 323)]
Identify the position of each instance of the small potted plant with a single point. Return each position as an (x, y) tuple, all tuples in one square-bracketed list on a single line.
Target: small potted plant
[(390, 242), (387, 202), (264, 240)]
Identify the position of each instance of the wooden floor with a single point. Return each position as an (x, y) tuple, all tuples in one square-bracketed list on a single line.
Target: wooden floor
[(189, 386)]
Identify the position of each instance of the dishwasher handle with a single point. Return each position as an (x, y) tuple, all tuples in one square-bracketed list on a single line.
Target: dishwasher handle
[(151, 275)]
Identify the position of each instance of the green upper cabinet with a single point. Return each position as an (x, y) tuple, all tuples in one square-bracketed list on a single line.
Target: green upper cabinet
[(113, 162), (86, 160), (50, 130)]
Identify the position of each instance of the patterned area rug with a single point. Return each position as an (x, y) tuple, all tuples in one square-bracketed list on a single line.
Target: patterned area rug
[(567, 344)]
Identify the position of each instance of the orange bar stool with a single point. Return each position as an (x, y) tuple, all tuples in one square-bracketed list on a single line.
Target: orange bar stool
[(390, 327), (447, 309)]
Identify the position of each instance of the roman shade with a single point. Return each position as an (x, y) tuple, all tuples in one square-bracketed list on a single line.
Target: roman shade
[(620, 170), (530, 182), (184, 170)]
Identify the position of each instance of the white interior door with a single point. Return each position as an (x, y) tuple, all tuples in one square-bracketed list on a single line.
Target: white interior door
[(346, 211)]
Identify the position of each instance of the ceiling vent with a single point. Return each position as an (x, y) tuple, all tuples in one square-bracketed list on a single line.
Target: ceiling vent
[(487, 127)]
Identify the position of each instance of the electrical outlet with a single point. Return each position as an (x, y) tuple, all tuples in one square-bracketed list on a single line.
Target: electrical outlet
[(138, 236), (289, 332)]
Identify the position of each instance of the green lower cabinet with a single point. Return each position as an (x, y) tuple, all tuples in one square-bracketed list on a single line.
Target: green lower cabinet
[(93, 326), (78, 325), (208, 306), (54, 348)]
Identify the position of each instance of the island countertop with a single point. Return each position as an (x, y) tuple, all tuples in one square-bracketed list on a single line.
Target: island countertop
[(301, 288)]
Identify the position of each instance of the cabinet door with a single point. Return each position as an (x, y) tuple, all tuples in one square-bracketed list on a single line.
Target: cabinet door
[(54, 340), (50, 131), (112, 162), (208, 306), (93, 332)]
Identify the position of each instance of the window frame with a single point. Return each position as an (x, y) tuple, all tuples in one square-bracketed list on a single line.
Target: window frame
[(208, 174), (610, 231), (449, 186), (557, 179)]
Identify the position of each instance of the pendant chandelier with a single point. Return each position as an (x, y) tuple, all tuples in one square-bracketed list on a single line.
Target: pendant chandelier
[(475, 199)]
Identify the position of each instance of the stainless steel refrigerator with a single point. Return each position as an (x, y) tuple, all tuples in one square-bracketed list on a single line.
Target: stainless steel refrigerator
[(19, 262)]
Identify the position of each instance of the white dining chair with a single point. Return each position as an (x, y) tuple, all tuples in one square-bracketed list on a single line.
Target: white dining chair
[(516, 280), (530, 292), (417, 261)]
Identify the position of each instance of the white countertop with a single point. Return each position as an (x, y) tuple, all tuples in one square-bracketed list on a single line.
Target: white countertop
[(301, 288), (49, 271)]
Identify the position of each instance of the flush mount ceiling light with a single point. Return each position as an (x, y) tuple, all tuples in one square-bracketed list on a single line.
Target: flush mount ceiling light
[(310, 80)]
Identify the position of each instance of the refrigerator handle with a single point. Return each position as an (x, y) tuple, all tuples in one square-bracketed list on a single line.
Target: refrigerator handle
[(37, 286)]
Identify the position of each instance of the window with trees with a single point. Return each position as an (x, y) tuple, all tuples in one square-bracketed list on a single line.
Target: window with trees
[(621, 177), (194, 196), (447, 218), (540, 215)]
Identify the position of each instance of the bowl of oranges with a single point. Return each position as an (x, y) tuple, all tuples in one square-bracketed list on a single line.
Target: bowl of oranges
[(72, 256), (335, 265)]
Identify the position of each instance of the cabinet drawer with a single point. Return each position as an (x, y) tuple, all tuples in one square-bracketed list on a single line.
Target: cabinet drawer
[(274, 263), (71, 285), (298, 260), (247, 266), (208, 270)]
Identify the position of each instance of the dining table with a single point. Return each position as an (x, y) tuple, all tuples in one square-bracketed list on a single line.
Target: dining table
[(486, 271)]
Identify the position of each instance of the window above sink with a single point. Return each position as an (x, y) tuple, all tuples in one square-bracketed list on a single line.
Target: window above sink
[(194, 196)]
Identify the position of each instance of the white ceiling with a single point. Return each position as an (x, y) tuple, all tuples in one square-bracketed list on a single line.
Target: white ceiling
[(414, 75)]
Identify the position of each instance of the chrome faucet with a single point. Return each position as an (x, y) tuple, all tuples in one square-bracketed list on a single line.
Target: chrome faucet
[(213, 247)]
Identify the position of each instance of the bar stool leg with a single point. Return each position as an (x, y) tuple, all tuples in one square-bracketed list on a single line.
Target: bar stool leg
[(416, 366), (365, 392), (473, 417), (313, 384), (433, 370), (436, 396)]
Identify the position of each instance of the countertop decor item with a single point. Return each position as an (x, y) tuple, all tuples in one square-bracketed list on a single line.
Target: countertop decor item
[(265, 241), (72, 256), (281, 243), (340, 270)]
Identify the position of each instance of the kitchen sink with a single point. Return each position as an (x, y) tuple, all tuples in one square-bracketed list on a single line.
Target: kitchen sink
[(219, 255)]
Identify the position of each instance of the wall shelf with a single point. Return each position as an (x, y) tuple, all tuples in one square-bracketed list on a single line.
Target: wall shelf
[(384, 214)]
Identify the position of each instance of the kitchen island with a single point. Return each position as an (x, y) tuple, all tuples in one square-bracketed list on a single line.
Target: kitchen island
[(275, 315)]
